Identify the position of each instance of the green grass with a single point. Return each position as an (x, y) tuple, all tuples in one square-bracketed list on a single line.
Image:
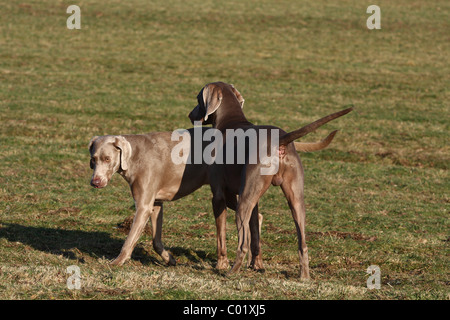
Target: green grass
[(377, 196)]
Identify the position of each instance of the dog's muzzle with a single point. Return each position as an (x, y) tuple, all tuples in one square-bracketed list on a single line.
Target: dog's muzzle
[(196, 115), (98, 183)]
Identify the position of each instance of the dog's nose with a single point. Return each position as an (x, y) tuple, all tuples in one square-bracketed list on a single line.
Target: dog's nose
[(96, 181), (191, 117), (194, 115)]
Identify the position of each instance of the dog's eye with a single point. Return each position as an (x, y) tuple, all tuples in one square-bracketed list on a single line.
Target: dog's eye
[(107, 159)]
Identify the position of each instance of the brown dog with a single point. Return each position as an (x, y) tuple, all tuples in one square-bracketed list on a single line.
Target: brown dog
[(218, 105)]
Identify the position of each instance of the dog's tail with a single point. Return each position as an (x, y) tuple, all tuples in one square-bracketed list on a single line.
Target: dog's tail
[(314, 146), (294, 135)]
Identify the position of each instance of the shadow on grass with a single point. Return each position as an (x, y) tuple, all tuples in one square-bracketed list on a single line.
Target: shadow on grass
[(196, 256), (74, 244)]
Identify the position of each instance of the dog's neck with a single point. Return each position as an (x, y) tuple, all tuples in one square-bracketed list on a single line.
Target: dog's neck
[(230, 116)]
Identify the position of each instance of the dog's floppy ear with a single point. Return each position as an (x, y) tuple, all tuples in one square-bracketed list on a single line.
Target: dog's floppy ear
[(91, 164), (212, 98), (238, 96), (125, 151), (92, 142)]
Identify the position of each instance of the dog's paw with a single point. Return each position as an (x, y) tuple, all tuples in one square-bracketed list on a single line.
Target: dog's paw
[(222, 264), (117, 262), (171, 261)]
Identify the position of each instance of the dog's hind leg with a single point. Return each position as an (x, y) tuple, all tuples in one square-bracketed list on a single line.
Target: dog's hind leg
[(292, 187), (255, 256)]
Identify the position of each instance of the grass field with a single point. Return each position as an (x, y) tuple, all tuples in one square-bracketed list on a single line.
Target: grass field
[(379, 195)]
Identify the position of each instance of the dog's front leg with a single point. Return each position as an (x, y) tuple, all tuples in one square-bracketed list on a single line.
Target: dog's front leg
[(157, 222), (144, 207), (220, 214), (254, 188), (243, 215)]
